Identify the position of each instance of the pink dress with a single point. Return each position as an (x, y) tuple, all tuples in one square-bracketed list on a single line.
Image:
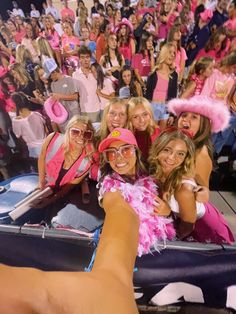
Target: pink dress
[(153, 229), (210, 226)]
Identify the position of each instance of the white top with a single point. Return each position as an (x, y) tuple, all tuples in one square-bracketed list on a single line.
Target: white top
[(199, 206), (35, 13), (16, 12), (31, 129), (52, 10)]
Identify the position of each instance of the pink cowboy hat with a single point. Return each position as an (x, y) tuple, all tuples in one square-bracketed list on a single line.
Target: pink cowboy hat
[(216, 111), (56, 111), (126, 22)]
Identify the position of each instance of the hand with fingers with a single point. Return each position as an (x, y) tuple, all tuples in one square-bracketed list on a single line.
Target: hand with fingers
[(201, 194), (161, 207)]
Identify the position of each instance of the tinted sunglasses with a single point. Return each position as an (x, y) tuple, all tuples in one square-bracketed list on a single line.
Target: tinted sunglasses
[(126, 151), (87, 134)]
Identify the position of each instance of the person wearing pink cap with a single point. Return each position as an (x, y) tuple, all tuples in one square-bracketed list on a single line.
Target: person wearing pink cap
[(201, 115), (172, 159), (126, 44), (122, 170)]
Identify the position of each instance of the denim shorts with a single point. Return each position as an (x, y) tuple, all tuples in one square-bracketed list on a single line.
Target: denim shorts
[(160, 111), (34, 152)]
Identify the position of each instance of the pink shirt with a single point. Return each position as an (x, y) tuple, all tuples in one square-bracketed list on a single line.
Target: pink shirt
[(69, 43), (67, 12), (31, 129), (126, 51), (230, 24), (87, 88), (28, 43), (213, 53), (199, 84), (161, 89), (107, 90), (218, 85), (53, 38), (19, 35), (180, 57), (142, 64)]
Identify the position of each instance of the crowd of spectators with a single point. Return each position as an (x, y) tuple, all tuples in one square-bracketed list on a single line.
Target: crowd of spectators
[(93, 60)]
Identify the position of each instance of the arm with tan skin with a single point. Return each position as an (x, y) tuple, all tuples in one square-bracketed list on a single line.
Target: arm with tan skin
[(133, 46), (203, 167), (189, 90), (107, 289), (110, 96), (138, 89), (139, 78), (57, 96), (187, 210)]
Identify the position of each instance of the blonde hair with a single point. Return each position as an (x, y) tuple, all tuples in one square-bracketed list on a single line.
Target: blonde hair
[(163, 55), (199, 66), (103, 128), (23, 54), (21, 71), (133, 103), (76, 119), (44, 48), (187, 167)]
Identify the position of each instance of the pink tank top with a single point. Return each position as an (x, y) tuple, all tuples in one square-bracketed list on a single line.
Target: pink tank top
[(199, 84), (160, 91), (126, 51)]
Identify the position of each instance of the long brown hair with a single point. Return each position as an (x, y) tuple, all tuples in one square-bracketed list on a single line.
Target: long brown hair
[(173, 180), (203, 135)]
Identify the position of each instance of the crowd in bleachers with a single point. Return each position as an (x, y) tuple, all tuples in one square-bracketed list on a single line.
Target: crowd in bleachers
[(141, 65)]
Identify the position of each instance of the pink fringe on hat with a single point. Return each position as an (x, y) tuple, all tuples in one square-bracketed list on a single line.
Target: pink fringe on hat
[(216, 111)]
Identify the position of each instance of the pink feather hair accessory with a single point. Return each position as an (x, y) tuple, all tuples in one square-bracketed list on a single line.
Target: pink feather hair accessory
[(216, 111)]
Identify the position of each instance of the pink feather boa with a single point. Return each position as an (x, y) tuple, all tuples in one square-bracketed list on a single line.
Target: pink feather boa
[(140, 195)]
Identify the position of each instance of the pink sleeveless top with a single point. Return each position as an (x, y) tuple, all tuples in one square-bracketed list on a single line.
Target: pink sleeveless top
[(126, 51), (199, 84), (161, 89)]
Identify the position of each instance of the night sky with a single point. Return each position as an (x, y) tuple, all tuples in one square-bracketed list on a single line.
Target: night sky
[(23, 4)]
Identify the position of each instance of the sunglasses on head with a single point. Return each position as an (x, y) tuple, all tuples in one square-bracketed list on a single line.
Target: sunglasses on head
[(87, 134), (126, 151)]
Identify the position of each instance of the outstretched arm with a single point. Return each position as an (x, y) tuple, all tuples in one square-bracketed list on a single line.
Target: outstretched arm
[(107, 289)]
